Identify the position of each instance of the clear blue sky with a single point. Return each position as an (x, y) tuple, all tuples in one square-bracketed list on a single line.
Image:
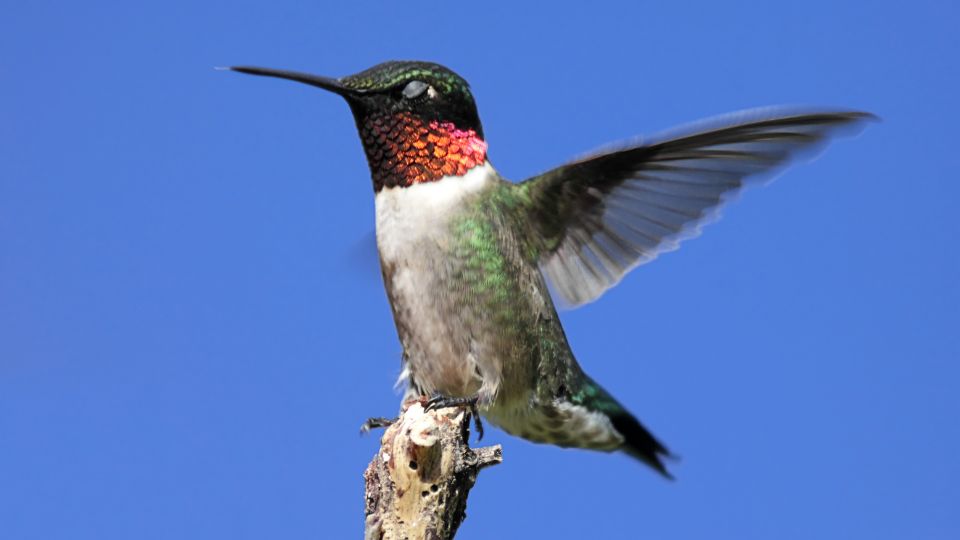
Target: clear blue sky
[(189, 336)]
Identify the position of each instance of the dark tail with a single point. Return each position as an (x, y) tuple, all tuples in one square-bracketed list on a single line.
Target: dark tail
[(637, 440), (639, 443)]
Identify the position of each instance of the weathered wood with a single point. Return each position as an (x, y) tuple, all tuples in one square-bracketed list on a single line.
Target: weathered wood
[(417, 484)]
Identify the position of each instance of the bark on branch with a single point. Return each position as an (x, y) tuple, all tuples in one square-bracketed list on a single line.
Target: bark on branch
[(417, 484)]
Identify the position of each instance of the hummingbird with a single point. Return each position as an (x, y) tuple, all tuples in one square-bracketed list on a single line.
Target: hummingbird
[(471, 261)]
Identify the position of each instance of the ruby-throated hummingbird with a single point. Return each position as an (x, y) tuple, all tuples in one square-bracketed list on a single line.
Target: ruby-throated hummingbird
[(467, 256)]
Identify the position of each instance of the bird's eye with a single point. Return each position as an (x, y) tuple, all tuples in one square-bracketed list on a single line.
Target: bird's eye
[(415, 89)]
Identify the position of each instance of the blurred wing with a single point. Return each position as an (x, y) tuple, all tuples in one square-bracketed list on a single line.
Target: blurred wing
[(595, 219), (362, 259)]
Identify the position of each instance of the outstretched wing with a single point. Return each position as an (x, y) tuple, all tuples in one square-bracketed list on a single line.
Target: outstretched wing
[(595, 219)]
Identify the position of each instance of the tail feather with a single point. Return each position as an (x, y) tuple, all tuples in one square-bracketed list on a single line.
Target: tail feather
[(639, 442)]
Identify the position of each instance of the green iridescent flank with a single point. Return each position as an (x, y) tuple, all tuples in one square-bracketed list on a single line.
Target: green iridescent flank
[(391, 74), (485, 267), (489, 266)]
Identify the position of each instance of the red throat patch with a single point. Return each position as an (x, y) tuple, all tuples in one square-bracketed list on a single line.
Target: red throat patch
[(404, 150)]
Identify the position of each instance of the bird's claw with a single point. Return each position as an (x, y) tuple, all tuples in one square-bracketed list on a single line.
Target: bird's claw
[(376, 422), (439, 401)]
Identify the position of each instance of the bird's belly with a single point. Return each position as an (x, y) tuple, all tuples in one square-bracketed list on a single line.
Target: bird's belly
[(437, 334), (422, 272), (461, 335)]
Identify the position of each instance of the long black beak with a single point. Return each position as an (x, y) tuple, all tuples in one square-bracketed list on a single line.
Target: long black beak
[(326, 83)]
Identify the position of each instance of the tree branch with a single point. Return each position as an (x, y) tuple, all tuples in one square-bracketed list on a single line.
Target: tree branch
[(417, 484)]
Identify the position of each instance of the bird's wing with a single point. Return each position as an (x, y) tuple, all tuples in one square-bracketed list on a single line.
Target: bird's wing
[(595, 219)]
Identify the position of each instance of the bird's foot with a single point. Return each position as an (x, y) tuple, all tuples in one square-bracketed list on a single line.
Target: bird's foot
[(439, 401), (376, 422)]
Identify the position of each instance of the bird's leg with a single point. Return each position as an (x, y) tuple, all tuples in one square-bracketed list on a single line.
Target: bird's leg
[(376, 422), (439, 401)]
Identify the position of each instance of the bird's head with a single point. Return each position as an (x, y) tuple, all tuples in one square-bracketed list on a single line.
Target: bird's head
[(418, 121)]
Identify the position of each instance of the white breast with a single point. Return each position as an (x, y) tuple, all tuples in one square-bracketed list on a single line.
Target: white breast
[(408, 214)]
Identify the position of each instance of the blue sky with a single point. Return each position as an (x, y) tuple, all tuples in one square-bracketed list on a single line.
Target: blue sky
[(190, 333)]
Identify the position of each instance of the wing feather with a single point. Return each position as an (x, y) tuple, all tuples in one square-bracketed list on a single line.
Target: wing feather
[(597, 218)]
